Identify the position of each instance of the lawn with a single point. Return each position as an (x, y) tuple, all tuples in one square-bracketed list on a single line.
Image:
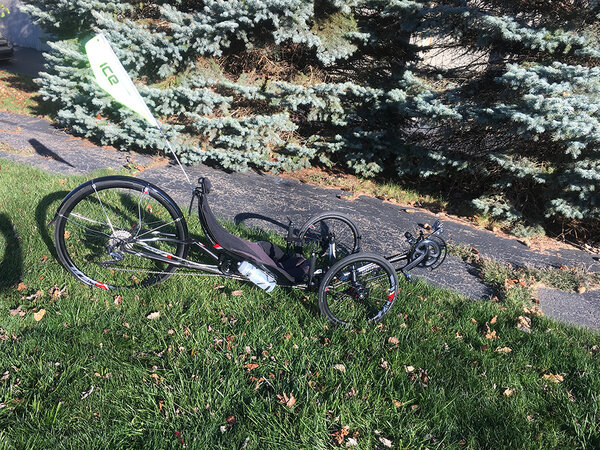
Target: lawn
[(207, 362), (19, 94)]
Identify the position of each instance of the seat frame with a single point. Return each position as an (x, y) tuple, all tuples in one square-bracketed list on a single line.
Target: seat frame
[(287, 268)]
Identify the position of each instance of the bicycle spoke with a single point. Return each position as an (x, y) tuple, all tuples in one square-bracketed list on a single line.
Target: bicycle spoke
[(140, 214), (79, 216), (102, 206), (157, 228)]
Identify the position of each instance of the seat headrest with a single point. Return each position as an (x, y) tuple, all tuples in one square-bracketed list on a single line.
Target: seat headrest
[(205, 183)]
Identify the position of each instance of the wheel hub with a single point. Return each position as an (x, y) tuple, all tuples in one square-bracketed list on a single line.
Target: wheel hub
[(360, 292), (120, 239)]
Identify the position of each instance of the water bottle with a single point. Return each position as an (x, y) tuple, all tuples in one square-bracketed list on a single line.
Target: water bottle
[(259, 277)]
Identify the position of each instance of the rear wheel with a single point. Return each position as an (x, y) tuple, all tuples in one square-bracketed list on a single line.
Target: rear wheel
[(108, 227), (332, 236), (359, 287)]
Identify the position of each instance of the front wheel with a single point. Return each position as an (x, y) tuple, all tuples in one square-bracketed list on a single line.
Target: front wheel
[(120, 232), (331, 236), (362, 286)]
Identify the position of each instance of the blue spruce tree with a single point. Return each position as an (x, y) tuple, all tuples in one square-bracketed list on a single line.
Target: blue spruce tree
[(498, 98)]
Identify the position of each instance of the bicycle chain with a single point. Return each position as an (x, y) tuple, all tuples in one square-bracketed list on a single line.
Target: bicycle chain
[(169, 273)]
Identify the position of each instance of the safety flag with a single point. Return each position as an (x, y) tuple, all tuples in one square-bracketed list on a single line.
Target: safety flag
[(113, 78)]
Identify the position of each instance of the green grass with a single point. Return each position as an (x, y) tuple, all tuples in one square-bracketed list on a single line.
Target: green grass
[(208, 372), (19, 94), (500, 275)]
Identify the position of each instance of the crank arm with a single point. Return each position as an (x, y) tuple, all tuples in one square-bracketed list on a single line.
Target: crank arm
[(411, 265)]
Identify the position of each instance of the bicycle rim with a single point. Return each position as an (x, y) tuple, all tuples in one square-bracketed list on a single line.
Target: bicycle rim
[(358, 288), (102, 233), (331, 237)]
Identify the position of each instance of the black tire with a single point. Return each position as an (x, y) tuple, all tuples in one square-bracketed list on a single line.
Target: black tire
[(360, 287), (112, 214), (319, 232)]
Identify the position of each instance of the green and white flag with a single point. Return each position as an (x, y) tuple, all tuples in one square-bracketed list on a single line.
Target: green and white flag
[(113, 78)]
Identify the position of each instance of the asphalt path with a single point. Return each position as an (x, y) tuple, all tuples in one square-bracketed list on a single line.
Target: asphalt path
[(267, 201)]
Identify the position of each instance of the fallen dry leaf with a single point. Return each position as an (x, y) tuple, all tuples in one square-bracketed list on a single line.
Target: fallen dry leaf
[(351, 393), (553, 378), (535, 310), (21, 287), (86, 394), (524, 324), (494, 319), (250, 366), (287, 401), (394, 340), (398, 403), (237, 293), (340, 367), (340, 435), (491, 335), (17, 312), (508, 392), (38, 294), (351, 442), (56, 292), (504, 349), (39, 315), (118, 300), (153, 315), (385, 442)]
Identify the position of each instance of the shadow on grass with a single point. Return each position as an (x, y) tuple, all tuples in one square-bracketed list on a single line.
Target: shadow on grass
[(43, 215), (11, 266)]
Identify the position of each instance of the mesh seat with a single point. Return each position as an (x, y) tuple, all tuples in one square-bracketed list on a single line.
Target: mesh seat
[(293, 268)]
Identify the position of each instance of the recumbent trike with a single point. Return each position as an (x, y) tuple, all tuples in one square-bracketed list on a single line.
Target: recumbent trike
[(121, 232)]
